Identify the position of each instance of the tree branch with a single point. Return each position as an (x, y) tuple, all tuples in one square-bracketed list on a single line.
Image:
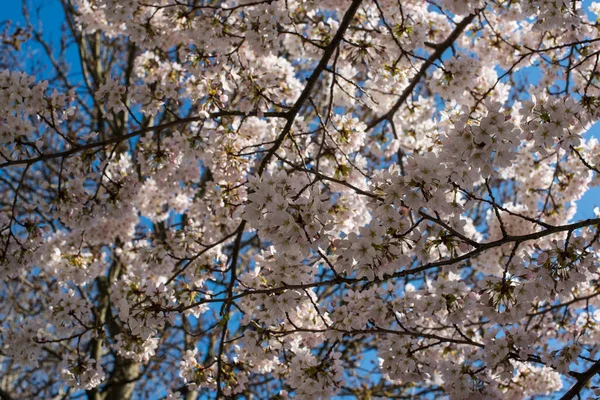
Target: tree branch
[(439, 51)]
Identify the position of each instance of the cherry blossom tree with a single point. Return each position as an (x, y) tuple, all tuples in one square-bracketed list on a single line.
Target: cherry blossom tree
[(277, 199)]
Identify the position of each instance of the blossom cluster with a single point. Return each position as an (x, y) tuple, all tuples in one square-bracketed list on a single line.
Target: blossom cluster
[(302, 199)]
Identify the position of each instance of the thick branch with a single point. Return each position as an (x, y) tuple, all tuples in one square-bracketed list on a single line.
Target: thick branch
[(582, 380), (311, 82), (439, 51), (118, 139)]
